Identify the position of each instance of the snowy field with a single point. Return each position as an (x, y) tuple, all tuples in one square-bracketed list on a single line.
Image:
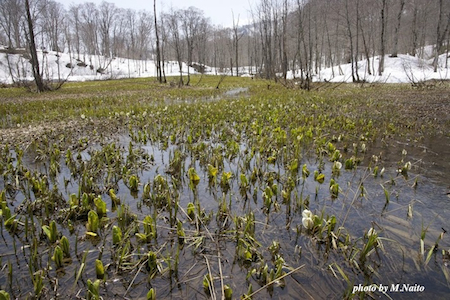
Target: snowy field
[(401, 69), (62, 66)]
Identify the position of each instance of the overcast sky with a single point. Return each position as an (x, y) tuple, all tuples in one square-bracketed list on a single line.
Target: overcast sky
[(219, 11)]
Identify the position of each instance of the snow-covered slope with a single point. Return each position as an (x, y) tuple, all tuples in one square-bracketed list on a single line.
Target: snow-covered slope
[(16, 67), (401, 69)]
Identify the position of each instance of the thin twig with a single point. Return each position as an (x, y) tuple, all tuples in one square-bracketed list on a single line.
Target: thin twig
[(135, 276), (220, 273), (211, 281)]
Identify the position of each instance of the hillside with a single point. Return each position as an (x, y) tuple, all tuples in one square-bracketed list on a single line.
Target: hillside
[(61, 66)]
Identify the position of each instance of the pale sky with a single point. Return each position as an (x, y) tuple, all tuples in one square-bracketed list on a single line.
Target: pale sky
[(219, 11)]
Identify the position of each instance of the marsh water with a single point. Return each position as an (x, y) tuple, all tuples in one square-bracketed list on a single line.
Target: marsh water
[(418, 201), (240, 220)]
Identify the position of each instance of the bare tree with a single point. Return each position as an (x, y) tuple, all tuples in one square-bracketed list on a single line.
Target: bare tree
[(144, 35), (190, 19), (89, 28), (397, 28), (11, 12), (265, 21), (382, 36), (107, 14), (283, 48), (74, 13), (414, 28), (236, 37), (442, 27), (32, 45), (158, 49), (350, 38), (173, 19), (53, 18)]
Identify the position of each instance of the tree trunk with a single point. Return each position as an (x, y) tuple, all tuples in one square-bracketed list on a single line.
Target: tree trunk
[(440, 36), (350, 37), (383, 38), (415, 34), (158, 53), (358, 20), (284, 62), (34, 58), (397, 28), (236, 39)]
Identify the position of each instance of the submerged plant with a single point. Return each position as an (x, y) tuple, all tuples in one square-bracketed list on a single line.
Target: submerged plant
[(93, 223), (225, 181), (38, 284), (319, 177), (305, 171), (372, 243), (65, 246), (194, 179), (191, 211), (350, 163), (146, 191), (133, 183), (334, 188), (114, 199), (99, 269), (180, 233), (73, 201), (152, 263), (58, 257), (4, 295), (212, 174), (149, 230), (151, 295), (207, 280), (51, 231), (228, 292), (100, 205), (404, 169), (117, 235), (93, 291)]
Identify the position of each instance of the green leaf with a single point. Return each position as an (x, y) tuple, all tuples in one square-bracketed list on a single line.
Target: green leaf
[(58, 257), (320, 178), (228, 292), (99, 269), (100, 205), (93, 221), (117, 235), (151, 295), (65, 246), (194, 179), (4, 295), (212, 171)]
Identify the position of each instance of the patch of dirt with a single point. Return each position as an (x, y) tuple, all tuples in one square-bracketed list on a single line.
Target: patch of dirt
[(60, 131)]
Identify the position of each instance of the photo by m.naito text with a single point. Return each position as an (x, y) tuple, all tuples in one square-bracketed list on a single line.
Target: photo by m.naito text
[(394, 287)]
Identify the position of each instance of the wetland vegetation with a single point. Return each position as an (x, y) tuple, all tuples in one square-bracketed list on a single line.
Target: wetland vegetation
[(131, 189)]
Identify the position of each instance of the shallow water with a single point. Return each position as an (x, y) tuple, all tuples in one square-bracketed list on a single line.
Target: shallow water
[(398, 261)]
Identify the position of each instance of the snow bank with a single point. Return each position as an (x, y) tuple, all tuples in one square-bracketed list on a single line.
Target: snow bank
[(401, 69), (61, 66)]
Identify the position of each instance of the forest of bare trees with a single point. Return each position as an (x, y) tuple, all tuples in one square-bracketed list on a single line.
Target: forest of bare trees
[(285, 35)]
